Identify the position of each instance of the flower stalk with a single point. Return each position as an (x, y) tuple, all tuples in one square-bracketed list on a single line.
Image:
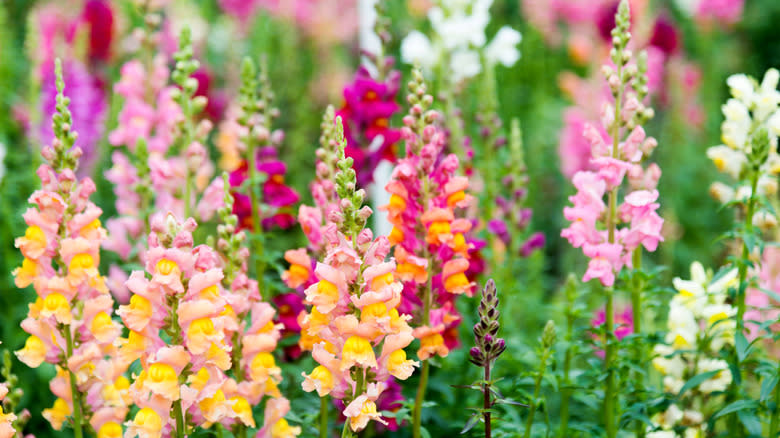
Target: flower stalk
[(548, 341)]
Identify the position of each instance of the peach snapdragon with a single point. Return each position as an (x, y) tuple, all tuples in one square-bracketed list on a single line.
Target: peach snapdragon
[(354, 327), (70, 323)]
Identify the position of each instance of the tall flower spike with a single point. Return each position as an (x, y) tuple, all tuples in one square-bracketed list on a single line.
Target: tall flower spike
[(248, 326), (70, 324), (489, 347), (354, 326), (177, 318), (431, 235)]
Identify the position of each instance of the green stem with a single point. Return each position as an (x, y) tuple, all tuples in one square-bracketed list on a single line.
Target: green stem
[(609, 392), (566, 390), (323, 417), (486, 401), (774, 425), (609, 395), (177, 412), (74, 391), (257, 225), (187, 195), (529, 422), (745, 254), (636, 308), (418, 401)]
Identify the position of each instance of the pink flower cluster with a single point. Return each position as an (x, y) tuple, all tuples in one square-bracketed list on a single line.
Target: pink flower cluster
[(369, 105), (430, 234), (185, 299), (277, 196), (327, 21), (70, 323), (609, 237), (354, 328), (623, 319)]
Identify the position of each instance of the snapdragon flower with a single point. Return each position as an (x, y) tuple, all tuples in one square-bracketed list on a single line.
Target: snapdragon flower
[(177, 319), (430, 233), (595, 224), (356, 330), (752, 109), (70, 323), (701, 323)]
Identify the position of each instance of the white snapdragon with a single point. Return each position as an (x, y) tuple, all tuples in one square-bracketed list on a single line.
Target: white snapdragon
[(700, 324), (753, 106), (459, 40)]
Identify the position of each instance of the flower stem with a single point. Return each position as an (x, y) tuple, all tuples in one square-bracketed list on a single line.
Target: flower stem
[(529, 422), (566, 390), (74, 391), (187, 195), (257, 225), (418, 401), (609, 394), (177, 412), (636, 310), (324, 417), (745, 254), (486, 402), (774, 425)]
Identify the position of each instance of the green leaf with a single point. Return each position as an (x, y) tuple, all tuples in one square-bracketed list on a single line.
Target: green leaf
[(751, 421), (424, 432), (473, 420), (739, 405), (743, 347), (697, 380), (767, 385)]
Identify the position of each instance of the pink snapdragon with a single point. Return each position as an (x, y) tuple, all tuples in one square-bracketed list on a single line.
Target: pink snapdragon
[(369, 105), (609, 233)]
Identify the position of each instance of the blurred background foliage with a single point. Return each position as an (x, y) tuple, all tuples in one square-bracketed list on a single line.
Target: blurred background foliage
[(307, 74)]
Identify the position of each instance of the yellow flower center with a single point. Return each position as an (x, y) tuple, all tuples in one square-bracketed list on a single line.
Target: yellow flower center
[(110, 430), (281, 429), (166, 267), (455, 198), (148, 419), (298, 271), (459, 243), (381, 281), (101, 323), (121, 383), (141, 305), (397, 203), (328, 289), (357, 350), (81, 261), (456, 281), (201, 327), (92, 226), (396, 236), (432, 341), (56, 302), (373, 311), (211, 403), (199, 379), (241, 405), (210, 293), (263, 361), (324, 376), (438, 228), (396, 359), (35, 233), (162, 372)]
